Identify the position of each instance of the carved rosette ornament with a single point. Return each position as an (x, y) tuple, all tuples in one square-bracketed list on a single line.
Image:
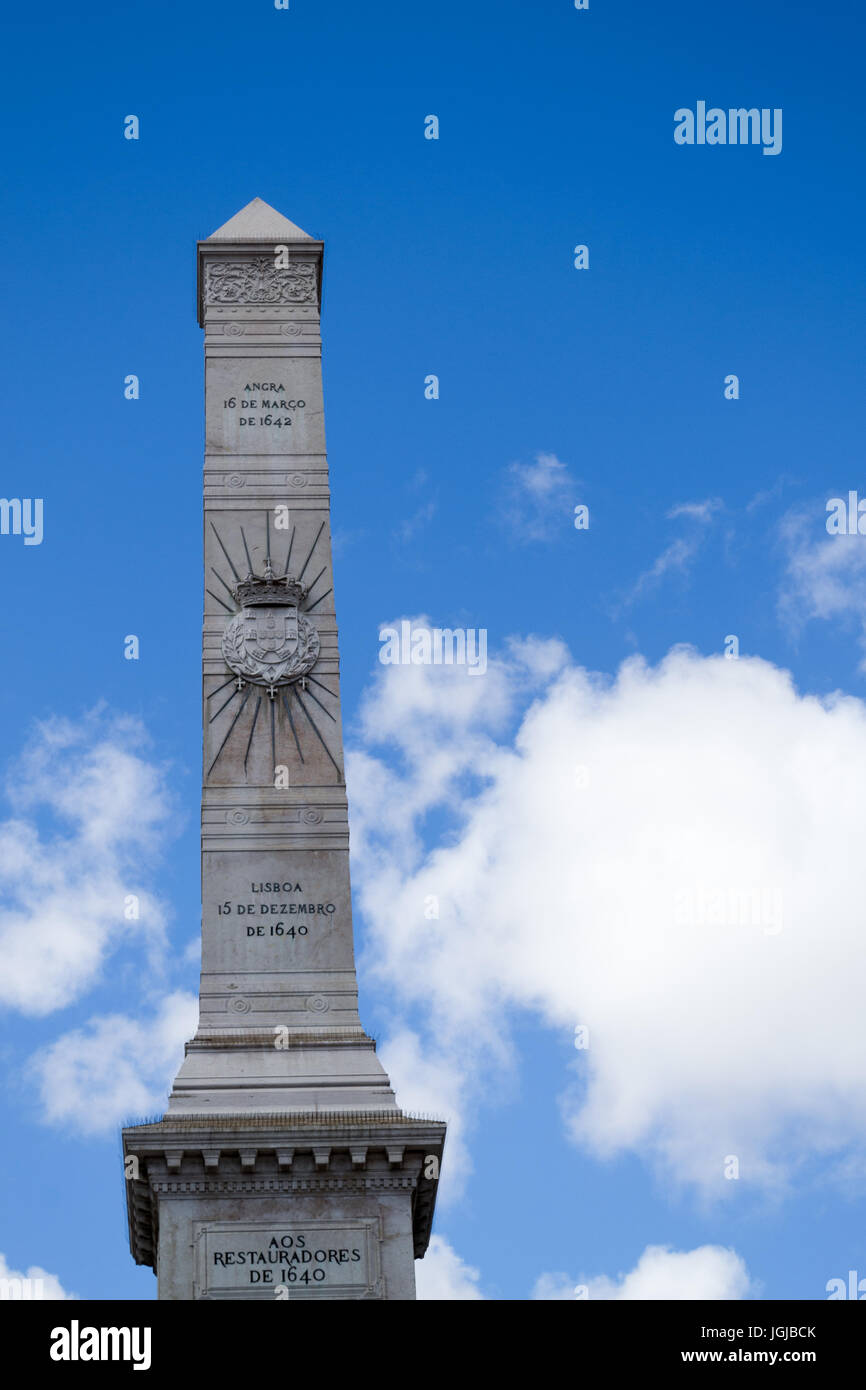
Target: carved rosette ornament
[(259, 281), (270, 643)]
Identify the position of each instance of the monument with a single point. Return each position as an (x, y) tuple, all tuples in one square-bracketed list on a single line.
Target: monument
[(283, 1166)]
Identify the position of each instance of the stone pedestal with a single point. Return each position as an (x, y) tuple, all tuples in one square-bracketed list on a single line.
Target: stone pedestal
[(297, 1206), (283, 1166)]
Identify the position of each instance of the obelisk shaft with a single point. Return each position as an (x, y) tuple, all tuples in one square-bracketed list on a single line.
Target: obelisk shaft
[(277, 944), (283, 1166)]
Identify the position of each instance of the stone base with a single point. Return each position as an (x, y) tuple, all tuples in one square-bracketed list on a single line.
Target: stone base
[(277, 1207)]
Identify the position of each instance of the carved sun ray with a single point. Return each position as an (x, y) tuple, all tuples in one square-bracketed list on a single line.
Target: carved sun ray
[(229, 733), (216, 598), (228, 588), (310, 606), (218, 712), (252, 731), (225, 552), (247, 552), (230, 681), (289, 554), (292, 727), (314, 680), (312, 548), (317, 732), (321, 706), (311, 586)]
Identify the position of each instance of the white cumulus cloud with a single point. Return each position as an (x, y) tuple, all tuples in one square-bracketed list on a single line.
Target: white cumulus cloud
[(709, 1272), (669, 859), (89, 814), (116, 1068), (443, 1276), (35, 1284), (429, 1085)]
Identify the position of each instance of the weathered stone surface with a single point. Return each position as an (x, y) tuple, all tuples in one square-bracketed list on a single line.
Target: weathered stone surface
[(282, 1135)]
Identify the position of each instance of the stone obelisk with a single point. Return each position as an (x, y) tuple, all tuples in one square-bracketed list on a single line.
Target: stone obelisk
[(283, 1167)]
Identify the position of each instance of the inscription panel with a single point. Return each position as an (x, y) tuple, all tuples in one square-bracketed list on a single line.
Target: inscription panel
[(264, 406), (302, 1259), (272, 911)]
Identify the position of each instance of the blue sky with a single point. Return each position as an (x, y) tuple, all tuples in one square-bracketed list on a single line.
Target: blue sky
[(557, 387)]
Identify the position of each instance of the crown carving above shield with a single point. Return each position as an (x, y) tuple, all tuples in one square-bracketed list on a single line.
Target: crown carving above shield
[(256, 590)]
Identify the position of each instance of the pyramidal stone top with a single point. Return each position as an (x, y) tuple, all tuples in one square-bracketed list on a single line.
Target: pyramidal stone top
[(258, 221)]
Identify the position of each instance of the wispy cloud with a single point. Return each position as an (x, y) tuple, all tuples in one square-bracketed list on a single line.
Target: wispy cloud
[(678, 555), (825, 576), (408, 529), (539, 498), (771, 494), (698, 511)]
